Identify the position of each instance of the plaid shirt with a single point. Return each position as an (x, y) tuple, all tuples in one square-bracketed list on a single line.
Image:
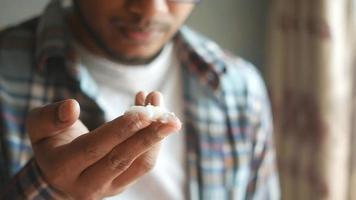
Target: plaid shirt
[(230, 153)]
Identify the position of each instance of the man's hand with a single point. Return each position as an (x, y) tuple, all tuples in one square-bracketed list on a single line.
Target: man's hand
[(83, 165)]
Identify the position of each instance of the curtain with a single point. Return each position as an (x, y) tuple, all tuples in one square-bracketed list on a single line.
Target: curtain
[(310, 73)]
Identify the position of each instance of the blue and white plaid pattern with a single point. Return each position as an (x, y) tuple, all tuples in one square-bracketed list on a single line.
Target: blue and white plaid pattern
[(230, 152)]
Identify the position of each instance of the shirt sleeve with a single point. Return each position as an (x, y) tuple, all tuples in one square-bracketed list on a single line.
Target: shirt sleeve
[(29, 184), (264, 180)]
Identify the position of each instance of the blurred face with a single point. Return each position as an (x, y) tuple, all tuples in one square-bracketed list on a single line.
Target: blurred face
[(133, 29)]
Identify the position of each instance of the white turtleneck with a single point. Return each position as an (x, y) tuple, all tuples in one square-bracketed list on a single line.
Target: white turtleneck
[(118, 84)]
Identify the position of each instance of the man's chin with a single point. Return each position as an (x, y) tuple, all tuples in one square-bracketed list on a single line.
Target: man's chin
[(133, 56), (133, 59)]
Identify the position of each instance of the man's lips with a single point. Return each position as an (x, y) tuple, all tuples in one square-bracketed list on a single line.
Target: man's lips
[(138, 32), (139, 35)]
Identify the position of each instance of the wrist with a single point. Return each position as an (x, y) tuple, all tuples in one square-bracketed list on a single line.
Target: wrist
[(42, 183)]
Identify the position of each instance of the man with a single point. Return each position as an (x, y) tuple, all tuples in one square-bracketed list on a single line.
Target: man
[(99, 55)]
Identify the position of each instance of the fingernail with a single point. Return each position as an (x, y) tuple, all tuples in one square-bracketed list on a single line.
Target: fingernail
[(63, 112)]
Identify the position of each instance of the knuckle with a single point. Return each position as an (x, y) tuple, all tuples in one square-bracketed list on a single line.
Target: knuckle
[(134, 124), (117, 162), (92, 152), (146, 142), (135, 121)]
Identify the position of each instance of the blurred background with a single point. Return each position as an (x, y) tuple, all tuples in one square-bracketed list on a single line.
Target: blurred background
[(306, 53)]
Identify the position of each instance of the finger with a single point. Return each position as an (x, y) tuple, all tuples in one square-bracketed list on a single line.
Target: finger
[(123, 155), (139, 167), (140, 98), (89, 148), (154, 98), (48, 120), (145, 161)]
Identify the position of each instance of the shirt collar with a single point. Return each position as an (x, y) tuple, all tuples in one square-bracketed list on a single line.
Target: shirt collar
[(200, 55)]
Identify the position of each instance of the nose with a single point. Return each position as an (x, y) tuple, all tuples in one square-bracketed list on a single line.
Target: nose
[(147, 8)]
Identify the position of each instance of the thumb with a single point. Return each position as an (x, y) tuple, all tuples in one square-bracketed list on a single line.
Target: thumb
[(47, 121)]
